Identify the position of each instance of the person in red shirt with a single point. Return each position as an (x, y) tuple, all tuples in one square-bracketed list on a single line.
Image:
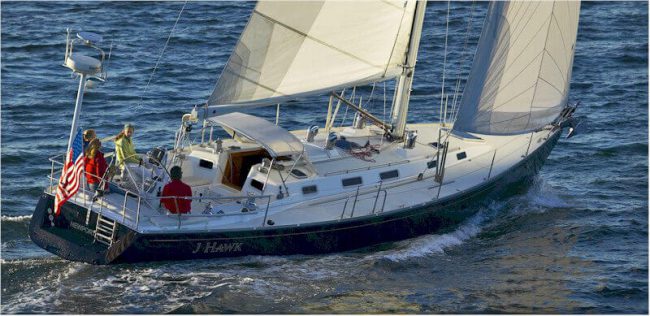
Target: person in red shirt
[(176, 188), (95, 165)]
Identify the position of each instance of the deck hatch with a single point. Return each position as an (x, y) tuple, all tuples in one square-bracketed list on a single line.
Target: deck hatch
[(299, 174)]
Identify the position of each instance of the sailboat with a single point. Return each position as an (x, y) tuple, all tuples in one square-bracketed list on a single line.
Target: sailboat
[(265, 190)]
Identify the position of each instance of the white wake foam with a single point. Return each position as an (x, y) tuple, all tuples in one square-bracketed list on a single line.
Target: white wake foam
[(432, 244), (22, 218), (543, 195)]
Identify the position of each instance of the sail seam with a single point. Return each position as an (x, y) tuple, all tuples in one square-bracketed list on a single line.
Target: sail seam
[(524, 49), (234, 49), (316, 40), (548, 32), (560, 33), (399, 29), (515, 25), (255, 82), (556, 65), (514, 97), (550, 84), (521, 71)]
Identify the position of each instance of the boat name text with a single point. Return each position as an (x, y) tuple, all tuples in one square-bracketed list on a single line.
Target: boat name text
[(84, 229), (212, 247)]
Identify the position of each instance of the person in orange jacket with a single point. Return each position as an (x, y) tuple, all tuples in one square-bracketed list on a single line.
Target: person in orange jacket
[(95, 165), (176, 188)]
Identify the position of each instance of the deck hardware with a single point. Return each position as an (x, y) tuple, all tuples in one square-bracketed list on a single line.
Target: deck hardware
[(411, 136), (313, 131)]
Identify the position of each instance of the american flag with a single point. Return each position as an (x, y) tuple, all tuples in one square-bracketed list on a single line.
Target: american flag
[(71, 173)]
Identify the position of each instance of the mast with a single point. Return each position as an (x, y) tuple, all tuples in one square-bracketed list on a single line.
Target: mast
[(405, 81)]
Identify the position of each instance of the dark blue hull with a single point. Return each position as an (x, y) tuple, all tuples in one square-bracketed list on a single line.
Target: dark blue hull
[(70, 240)]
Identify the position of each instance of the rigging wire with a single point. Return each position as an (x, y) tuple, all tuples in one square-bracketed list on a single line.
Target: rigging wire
[(444, 65), (463, 59), (161, 54), (354, 91)]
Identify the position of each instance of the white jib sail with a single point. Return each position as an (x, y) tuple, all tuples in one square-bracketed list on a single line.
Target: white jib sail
[(522, 69), (294, 48)]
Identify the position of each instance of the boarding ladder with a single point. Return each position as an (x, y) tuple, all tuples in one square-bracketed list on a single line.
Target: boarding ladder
[(105, 230)]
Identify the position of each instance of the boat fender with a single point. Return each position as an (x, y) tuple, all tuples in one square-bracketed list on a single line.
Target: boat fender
[(50, 216)]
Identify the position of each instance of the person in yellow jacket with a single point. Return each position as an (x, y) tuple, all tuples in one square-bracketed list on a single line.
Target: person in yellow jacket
[(128, 160), (124, 147)]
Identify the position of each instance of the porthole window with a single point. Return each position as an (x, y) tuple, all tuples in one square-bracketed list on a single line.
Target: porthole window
[(310, 189), (389, 175), (351, 181)]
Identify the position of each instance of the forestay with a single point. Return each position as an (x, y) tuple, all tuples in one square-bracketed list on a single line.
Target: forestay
[(521, 72), (308, 47)]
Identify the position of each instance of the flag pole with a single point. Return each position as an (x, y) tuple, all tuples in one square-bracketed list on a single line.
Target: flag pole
[(77, 110)]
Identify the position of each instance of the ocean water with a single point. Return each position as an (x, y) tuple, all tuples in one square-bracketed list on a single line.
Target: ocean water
[(575, 241)]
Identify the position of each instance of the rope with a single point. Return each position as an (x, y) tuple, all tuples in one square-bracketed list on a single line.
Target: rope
[(365, 153), (161, 54)]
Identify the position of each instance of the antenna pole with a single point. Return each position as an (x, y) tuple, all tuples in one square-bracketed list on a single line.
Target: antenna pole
[(77, 109)]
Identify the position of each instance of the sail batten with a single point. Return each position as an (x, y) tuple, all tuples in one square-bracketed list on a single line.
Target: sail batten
[(522, 68), (293, 48)]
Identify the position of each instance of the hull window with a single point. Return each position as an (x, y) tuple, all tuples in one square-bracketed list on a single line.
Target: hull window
[(461, 156), (309, 189), (351, 181), (389, 175)]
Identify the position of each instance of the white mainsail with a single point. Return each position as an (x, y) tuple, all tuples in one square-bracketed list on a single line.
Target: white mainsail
[(521, 72), (292, 48)]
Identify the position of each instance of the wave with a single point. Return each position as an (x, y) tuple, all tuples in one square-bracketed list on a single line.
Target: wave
[(631, 148), (436, 244), (22, 218), (539, 198), (543, 196)]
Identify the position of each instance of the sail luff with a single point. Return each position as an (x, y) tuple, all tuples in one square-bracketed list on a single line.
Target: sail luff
[(521, 72), (309, 47)]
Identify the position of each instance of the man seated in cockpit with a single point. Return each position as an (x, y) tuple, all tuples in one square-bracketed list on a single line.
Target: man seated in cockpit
[(176, 188)]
